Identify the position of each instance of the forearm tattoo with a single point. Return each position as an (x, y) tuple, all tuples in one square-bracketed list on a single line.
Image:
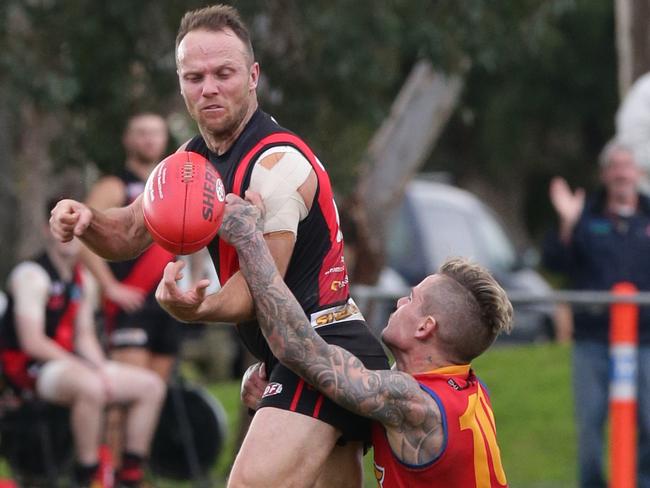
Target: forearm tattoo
[(391, 397)]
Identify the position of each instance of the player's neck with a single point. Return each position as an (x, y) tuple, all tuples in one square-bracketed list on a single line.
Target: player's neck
[(219, 144), (139, 167), (421, 360)]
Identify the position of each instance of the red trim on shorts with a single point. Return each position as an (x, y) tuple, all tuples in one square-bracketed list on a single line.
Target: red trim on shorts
[(319, 402), (296, 395)]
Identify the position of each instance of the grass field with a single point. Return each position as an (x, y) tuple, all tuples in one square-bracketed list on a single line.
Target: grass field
[(532, 403)]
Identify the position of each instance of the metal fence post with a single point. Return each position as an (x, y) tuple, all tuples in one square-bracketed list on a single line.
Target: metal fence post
[(624, 339)]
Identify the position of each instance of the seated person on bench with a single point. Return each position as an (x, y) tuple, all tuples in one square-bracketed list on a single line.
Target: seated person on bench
[(48, 345)]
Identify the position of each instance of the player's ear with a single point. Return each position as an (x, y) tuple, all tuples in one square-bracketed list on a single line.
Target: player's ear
[(254, 76), (426, 327)]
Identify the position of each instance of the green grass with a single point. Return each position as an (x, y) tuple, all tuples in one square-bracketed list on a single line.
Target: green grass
[(531, 397), (532, 402)]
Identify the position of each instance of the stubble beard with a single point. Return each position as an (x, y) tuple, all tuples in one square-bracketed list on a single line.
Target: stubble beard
[(230, 125)]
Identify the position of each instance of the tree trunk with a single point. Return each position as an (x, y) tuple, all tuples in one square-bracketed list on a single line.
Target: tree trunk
[(632, 41), (396, 152), (8, 224), (33, 176)]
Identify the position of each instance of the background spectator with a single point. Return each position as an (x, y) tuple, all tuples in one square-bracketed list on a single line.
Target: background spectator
[(601, 241)]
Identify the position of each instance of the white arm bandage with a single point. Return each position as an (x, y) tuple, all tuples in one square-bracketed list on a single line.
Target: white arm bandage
[(278, 185)]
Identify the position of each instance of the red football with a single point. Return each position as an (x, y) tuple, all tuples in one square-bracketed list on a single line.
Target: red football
[(183, 202)]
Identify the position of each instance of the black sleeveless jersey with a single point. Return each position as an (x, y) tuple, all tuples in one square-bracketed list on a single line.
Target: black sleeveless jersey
[(316, 275), (61, 310)]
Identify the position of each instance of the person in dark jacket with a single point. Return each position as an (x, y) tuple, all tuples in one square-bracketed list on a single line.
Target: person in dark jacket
[(600, 241)]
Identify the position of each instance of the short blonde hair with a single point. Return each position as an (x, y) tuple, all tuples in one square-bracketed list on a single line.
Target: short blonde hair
[(471, 307)]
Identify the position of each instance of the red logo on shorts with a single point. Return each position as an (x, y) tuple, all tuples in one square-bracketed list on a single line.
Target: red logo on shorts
[(272, 389)]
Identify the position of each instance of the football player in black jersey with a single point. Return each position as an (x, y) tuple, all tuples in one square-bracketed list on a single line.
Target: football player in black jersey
[(218, 75)]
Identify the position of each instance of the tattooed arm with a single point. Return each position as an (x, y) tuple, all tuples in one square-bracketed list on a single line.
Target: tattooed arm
[(412, 418)]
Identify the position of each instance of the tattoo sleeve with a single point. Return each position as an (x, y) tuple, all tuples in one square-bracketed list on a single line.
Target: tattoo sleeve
[(390, 397)]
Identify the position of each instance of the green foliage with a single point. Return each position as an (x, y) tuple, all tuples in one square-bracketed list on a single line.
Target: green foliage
[(539, 95), (539, 102)]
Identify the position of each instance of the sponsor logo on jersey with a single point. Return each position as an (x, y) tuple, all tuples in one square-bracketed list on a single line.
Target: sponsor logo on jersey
[(335, 269), (272, 389), (338, 284)]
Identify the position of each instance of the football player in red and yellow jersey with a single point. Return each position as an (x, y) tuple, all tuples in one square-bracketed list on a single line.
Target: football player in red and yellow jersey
[(434, 424)]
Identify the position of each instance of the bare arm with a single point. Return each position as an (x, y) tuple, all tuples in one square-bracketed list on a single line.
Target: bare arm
[(29, 285), (118, 233), (393, 398), (110, 192), (232, 303), (114, 234)]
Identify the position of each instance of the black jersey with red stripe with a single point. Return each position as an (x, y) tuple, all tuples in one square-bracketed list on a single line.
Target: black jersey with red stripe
[(316, 275), (60, 313)]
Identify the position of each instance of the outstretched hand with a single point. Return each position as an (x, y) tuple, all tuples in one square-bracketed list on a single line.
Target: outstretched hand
[(184, 306), (242, 219)]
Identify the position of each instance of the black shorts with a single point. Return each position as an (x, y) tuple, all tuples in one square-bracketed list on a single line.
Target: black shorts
[(288, 391), (150, 328)]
